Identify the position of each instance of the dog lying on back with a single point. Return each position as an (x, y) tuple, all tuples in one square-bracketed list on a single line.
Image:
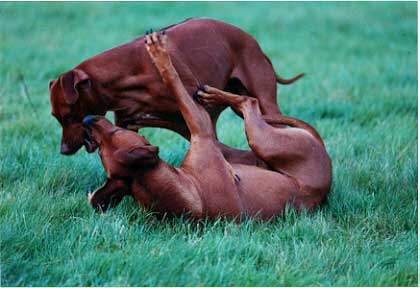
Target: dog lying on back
[(206, 185), (125, 81)]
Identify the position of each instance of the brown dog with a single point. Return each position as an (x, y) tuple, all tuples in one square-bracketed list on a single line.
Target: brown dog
[(206, 184), (125, 81)]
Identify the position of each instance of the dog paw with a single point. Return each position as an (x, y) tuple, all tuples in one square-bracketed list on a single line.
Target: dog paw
[(196, 95), (157, 47), (208, 95), (214, 96), (100, 207)]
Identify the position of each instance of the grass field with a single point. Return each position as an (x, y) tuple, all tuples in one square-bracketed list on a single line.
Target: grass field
[(360, 92)]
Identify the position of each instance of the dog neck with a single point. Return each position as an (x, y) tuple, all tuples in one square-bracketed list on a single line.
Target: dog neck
[(156, 175), (158, 182)]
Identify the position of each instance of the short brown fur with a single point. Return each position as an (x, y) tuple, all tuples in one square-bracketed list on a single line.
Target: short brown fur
[(206, 184), (125, 81)]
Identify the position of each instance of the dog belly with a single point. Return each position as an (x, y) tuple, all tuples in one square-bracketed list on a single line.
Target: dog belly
[(264, 193)]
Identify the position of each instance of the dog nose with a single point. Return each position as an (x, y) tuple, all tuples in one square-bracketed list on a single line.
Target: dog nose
[(87, 120)]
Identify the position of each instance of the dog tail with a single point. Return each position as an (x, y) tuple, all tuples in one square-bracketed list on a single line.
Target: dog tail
[(282, 80), (288, 81), (296, 123)]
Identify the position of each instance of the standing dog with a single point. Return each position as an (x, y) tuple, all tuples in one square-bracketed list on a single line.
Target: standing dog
[(124, 80), (206, 184)]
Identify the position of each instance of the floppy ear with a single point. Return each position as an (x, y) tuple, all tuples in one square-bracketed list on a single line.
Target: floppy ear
[(141, 155), (70, 82)]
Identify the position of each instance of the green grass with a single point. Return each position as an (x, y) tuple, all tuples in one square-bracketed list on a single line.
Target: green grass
[(360, 92)]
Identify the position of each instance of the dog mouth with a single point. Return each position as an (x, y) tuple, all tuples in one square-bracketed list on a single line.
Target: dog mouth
[(89, 143)]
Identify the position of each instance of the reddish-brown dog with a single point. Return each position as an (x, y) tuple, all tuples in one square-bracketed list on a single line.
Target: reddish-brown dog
[(206, 184), (125, 81)]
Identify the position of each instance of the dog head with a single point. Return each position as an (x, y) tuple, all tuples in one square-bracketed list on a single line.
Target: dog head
[(123, 152), (73, 95)]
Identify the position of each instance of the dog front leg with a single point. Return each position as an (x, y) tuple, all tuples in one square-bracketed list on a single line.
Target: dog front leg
[(109, 194)]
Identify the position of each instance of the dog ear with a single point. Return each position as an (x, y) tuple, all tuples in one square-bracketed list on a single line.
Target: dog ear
[(71, 82), (140, 155)]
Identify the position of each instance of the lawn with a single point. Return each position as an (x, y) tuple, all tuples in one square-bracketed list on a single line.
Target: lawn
[(360, 92)]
